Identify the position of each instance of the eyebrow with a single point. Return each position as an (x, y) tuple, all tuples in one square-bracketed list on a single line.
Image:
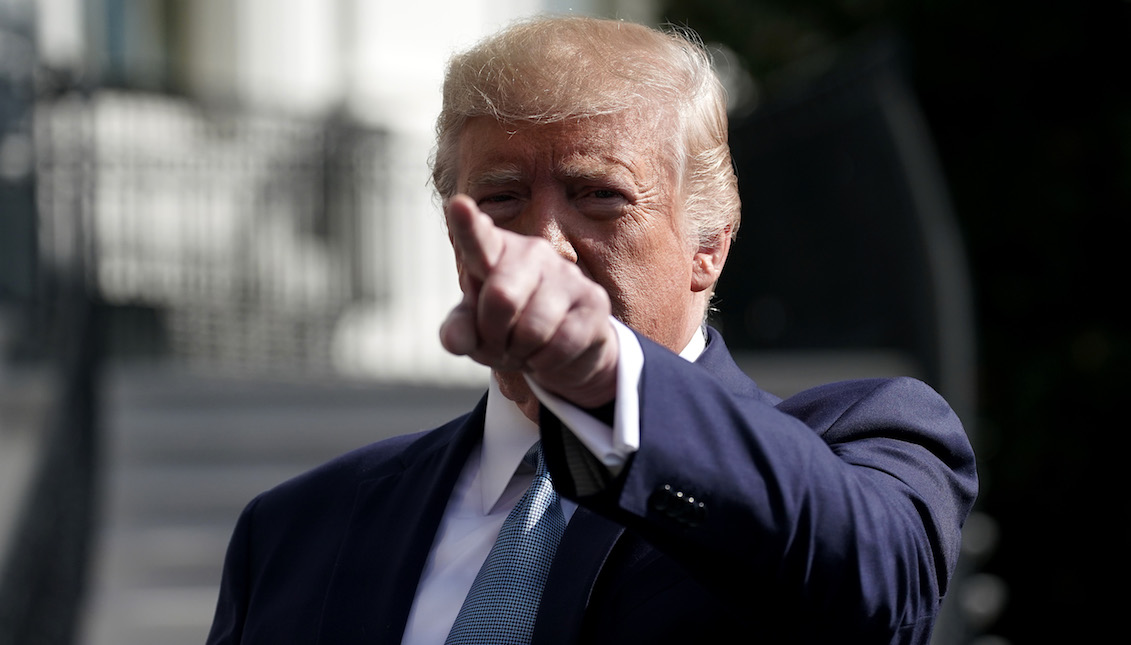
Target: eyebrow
[(496, 176)]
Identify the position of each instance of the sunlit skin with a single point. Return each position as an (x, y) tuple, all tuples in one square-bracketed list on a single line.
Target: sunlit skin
[(555, 227)]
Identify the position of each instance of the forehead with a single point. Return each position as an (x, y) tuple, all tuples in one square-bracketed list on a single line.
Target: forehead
[(491, 150)]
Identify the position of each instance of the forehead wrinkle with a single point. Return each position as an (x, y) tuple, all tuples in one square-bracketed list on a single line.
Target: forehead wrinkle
[(588, 167)]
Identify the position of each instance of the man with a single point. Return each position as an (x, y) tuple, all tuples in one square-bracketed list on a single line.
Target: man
[(591, 203)]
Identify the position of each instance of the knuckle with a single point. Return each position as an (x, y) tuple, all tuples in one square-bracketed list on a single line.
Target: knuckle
[(535, 332), (498, 296)]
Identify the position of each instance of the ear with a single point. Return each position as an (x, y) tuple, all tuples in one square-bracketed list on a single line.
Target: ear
[(708, 261)]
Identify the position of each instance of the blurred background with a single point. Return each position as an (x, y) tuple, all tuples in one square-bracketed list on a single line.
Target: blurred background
[(221, 263)]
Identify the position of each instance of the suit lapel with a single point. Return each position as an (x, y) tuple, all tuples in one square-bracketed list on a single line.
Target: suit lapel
[(390, 534), (585, 545)]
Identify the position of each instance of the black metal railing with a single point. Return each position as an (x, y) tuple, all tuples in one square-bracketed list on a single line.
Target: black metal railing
[(239, 238)]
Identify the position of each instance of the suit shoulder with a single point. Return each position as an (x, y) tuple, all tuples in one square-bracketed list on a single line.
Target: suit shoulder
[(362, 463), (891, 402), (336, 479)]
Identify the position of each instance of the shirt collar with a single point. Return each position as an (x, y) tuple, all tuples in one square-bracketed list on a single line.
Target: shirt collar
[(507, 435), (696, 345)]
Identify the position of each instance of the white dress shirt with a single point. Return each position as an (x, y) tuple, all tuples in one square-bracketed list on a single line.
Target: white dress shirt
[(495, 477)]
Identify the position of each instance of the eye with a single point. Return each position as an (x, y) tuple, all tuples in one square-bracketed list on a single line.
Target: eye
[(500, 206), (495, 199), (602, 203), (605, 193)]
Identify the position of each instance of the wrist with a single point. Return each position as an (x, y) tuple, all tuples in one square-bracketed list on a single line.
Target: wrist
[(591, 386)]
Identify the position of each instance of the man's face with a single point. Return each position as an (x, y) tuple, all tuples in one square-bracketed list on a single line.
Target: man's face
[(604, 194)]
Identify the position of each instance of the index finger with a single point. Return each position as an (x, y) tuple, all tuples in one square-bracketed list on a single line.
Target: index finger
[(477, 242)]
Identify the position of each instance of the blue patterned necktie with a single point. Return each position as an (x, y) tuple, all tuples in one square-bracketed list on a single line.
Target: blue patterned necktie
[(503, 601)]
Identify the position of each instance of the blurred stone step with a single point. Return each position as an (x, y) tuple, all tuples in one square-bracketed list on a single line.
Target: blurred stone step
[(184, 452)]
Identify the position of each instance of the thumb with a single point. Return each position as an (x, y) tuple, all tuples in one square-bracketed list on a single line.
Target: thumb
[(458, 332)]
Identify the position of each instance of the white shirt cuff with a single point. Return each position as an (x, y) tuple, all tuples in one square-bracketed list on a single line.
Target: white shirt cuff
[(612, 446)]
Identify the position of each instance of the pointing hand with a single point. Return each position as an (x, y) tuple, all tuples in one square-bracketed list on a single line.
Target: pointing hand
[(527, 308)]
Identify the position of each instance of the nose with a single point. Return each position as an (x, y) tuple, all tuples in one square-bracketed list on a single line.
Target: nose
[(547, 217)]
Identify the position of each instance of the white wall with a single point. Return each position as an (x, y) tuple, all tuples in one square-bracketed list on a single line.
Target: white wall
[(392, 79)]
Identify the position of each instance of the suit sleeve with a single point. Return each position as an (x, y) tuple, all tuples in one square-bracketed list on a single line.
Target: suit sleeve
[(232, 604), (842, 505)]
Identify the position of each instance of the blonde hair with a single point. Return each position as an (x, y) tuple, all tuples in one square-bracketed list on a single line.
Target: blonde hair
[(553, 69)]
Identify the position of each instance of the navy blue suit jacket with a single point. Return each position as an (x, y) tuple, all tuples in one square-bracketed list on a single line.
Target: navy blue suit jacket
[(833, 516)]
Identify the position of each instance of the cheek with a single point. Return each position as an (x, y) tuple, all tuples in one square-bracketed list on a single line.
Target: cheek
[(641, 273)]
